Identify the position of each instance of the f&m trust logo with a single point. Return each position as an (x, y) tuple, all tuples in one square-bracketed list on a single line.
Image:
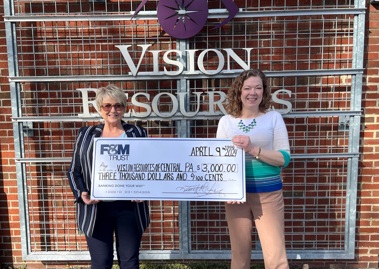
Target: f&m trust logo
[(116, 152), (185, 18)]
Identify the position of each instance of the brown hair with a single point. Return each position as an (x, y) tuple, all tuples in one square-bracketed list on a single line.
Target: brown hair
[(233, 97)]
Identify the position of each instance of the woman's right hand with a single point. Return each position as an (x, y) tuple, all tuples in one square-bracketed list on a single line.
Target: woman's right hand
[(87, 199)]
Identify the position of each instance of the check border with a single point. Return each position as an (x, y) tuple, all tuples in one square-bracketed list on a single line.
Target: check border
[(182, 169)]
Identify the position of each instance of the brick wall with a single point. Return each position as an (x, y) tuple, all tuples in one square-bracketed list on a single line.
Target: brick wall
[(367, 236), (367, 239)]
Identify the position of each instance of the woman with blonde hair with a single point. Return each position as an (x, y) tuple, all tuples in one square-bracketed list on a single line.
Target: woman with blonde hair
[(102, 221)]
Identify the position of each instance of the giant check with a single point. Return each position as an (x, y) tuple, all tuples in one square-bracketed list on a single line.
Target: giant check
[(168, 169)]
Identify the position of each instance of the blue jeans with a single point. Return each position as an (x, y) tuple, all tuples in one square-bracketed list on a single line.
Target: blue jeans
[(115, 220)]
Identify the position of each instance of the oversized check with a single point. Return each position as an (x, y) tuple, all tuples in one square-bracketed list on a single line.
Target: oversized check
[(191, 169)]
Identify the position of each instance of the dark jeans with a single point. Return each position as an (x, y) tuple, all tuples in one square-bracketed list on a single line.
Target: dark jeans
[(115, 218)]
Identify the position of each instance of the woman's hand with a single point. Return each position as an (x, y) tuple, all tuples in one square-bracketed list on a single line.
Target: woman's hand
[(87, 199), (233, 202), (242, 141), (272, 157)]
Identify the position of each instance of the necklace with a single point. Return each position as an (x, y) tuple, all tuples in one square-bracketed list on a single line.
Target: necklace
[(246, 128)]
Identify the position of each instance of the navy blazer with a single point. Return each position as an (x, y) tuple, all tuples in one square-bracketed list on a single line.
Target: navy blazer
[(80, 172)]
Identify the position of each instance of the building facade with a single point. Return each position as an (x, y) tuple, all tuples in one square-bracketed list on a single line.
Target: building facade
[(322, 61)]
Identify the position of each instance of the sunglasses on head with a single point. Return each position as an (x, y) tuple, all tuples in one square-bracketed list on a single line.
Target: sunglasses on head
[(108, 107)]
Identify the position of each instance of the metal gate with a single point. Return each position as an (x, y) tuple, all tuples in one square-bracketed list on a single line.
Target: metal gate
[(312, 51)]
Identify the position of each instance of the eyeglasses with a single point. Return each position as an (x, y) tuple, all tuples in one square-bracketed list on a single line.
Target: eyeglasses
[(108, 107)]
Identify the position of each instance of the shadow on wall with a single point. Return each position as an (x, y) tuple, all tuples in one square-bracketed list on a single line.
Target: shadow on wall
[(5, 235)]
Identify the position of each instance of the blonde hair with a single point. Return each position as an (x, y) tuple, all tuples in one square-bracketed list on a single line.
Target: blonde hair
[(111, 91)]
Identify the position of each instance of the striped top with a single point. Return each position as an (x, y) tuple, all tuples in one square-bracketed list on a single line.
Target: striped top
[(80, 172), (269, 133)]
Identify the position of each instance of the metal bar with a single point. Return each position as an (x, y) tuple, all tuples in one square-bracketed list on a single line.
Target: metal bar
[(161, 76), (200, 115), (17, 130), (354, 133), (195, 255), (152, 15)]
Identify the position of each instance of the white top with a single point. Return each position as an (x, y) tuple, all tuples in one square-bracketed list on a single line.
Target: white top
[(269, 133)]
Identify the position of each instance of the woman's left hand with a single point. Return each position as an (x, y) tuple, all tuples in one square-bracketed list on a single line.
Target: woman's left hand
[(233, 202)]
